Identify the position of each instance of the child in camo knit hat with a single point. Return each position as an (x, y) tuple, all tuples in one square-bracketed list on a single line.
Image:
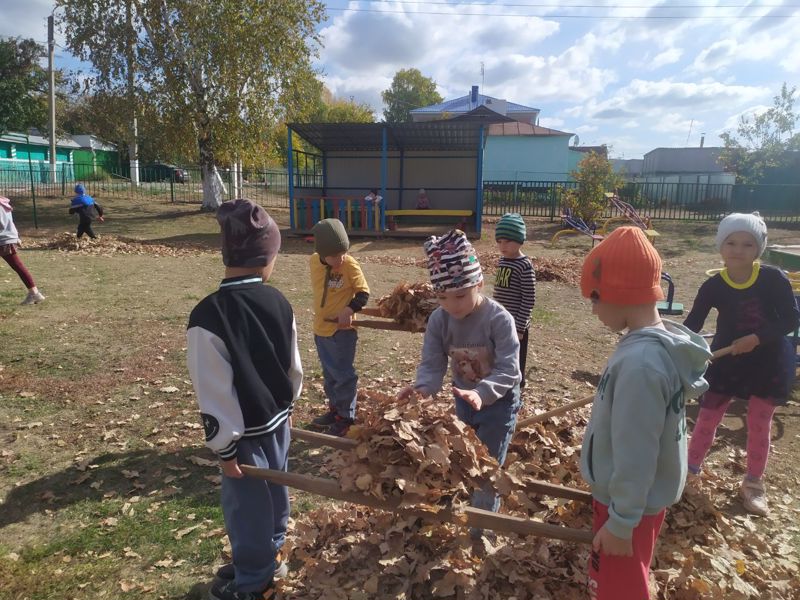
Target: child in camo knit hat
[(476, 336)]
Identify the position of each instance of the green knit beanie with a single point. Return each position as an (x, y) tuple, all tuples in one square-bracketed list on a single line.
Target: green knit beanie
[(511, 227), (330, 237)]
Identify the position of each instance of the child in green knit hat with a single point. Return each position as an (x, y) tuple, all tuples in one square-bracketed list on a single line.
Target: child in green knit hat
[(339, 291), (515, 281)]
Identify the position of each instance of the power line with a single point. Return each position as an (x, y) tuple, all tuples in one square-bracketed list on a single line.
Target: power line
[(595, 6), (564, 16)]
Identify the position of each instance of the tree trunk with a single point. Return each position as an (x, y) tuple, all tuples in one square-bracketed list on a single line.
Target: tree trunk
[(213, 190)]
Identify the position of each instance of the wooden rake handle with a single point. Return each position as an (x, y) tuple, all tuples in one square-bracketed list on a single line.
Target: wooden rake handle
[(474, 517), (555, 412), (584, 401), (721, 352)]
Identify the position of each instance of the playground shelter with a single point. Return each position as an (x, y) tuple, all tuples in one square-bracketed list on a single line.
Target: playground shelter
[(397, 159)]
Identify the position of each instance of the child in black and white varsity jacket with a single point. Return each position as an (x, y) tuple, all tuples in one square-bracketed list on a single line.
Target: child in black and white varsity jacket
[(245, 367)]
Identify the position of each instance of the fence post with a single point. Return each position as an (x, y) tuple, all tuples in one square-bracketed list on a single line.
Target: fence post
[(553, 197), (63, 180), (172, 188), (515, 199)]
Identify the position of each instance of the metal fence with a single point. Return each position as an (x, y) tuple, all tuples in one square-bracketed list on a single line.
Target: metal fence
[(667, 201), (268, 187)]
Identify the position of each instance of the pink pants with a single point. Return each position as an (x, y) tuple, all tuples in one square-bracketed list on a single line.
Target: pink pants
[(624, 577), (759, 425)]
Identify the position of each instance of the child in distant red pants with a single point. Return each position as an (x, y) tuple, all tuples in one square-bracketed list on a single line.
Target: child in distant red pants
[(9, 238)]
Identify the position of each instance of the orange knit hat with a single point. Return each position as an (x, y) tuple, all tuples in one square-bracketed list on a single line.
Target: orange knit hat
[(624, 268)]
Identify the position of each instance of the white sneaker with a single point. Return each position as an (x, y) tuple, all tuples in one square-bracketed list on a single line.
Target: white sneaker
[(754, 497), (33, 298)]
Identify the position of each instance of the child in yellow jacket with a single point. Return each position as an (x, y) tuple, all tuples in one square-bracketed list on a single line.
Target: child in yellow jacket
[(339, 291)]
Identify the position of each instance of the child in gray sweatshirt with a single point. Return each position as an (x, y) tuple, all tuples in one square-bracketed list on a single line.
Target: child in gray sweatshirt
[(476, 336), (634, 450)]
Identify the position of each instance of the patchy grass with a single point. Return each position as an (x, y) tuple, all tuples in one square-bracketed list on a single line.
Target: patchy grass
[(96, 472)]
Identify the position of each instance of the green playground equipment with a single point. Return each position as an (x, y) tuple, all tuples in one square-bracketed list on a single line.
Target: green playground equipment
[(669, 306)]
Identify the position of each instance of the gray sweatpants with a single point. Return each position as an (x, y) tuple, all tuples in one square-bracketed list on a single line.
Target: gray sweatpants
[(256, 511)]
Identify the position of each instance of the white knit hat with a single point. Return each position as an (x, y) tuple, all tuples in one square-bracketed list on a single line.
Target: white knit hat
[(751, 223)]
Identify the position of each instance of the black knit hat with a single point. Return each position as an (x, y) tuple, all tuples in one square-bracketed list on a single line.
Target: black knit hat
[(250, 237)]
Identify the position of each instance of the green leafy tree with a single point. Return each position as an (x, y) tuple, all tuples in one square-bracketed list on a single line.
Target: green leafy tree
[(221, 68), (595, 176), (23, 86), (410, 89), (763, 142)]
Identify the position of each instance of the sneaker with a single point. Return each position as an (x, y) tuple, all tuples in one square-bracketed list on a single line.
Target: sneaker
[(326, 420), (340, 426), (754, 497), (226, 590), (33, 298), (226, 572)]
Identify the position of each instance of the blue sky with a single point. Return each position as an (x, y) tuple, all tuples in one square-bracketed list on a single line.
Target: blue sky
[(632, 83)]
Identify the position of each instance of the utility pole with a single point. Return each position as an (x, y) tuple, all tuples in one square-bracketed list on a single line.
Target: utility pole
[(133, 150), (51, 49)]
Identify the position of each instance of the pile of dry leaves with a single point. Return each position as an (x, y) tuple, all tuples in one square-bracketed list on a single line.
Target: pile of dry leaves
[(107, 245), (409, 304), (418, 449)]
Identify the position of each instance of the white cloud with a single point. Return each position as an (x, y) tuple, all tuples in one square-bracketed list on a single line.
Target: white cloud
[(717, 56), (551, 122), (667, 57), (732, 122)]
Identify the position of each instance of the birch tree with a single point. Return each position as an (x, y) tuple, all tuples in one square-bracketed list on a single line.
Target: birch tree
[(221, 67)]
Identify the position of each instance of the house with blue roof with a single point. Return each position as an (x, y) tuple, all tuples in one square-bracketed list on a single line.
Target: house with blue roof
[(517, 147)]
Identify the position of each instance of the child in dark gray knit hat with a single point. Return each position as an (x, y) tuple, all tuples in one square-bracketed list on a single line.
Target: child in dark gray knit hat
[(245, 367), (515, 280), (476, 336), (339, 290)]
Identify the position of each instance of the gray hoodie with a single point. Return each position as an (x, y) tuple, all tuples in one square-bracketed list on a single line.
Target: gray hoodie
[(634, 451), (8, 233)]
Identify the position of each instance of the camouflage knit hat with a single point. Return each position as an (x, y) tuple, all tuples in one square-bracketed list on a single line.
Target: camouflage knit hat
[(250, 237), (452, 262)]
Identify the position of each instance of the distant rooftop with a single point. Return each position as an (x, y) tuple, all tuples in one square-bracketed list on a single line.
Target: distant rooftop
[(472, 101)]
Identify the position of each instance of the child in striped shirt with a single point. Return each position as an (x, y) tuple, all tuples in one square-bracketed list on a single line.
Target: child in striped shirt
[(515, 281)]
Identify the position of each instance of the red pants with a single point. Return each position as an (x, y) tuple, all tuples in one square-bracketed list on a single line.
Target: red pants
[(624, 577)]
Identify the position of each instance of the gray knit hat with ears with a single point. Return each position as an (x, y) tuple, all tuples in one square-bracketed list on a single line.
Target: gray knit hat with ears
[(751, 223)]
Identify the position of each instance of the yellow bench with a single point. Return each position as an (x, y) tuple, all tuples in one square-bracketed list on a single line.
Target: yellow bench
[(393, 214), (651, 234)]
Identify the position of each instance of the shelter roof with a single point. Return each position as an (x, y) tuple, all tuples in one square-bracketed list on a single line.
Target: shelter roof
[(432, 135)]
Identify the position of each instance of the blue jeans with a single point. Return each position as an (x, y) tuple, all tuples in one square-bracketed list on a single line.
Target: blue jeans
[(256, 512), (337, 354), (494, 425)]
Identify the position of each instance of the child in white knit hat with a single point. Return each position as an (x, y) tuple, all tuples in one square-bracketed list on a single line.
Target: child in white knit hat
[(476, 335), (756, 310)]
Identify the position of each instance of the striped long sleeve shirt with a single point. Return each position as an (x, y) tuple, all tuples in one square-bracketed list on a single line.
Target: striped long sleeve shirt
[(515, 289)]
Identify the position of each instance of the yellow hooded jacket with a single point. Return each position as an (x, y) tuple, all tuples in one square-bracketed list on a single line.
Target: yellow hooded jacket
[(333, 290)]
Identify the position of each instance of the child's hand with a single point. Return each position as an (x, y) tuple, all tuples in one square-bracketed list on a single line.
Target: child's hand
[(606, 542), (471, 397), (345, 318), (745, 344), (230, 468), (101, 219)]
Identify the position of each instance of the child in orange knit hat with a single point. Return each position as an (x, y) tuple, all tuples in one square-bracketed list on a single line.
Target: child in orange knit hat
[(634, 450)]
